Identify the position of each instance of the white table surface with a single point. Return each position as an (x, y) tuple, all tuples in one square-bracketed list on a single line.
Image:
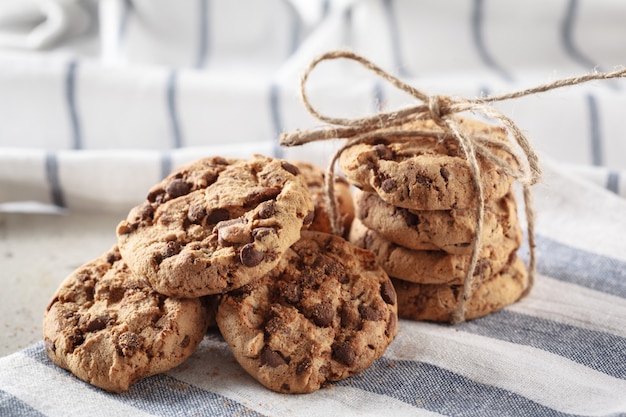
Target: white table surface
[(37, 251)]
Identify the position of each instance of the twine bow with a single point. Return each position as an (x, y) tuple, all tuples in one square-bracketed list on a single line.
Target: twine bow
[(443, 111)]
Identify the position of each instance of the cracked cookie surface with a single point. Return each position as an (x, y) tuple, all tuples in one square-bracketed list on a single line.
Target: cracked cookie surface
[(439, 302), (427, 172), (110, 329), (326, 312), (434, 266), (206, 237), (448, 230)]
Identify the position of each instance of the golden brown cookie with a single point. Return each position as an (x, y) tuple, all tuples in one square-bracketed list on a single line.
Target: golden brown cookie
[(426, 173), (193, 241), (433, 267), (110, 329), (438, 302), (448, 230), (326, 312), (314, 177)]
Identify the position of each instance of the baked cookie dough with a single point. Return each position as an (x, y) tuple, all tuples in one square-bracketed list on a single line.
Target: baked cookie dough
[(434, 266), (110, 329), (324, 313), (426, 173), (448, 230), (439, 302), (194, 241), (314, 177)]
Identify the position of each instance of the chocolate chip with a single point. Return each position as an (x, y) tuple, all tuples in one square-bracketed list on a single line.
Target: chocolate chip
[(383, 152), (267, 209), (171, 248), (177, 188), (115, 295), (217, 215), (271, 358), (113, 257), (481, 267), (97, 323), (388, 185), (423, 180), (344, 353), (259, 195), (445, 174), (290, 168), (411, 219), (380, 141), (308, 219), (260, 232), (196, 213), (128, 343), (368, 313), (388, 292), (156, 196), (76, 339), (349, 318), (250, 256), (303, 365), (145, 212), (323, 314)]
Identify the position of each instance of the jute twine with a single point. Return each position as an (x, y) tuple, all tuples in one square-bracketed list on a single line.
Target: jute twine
[(444, 111)]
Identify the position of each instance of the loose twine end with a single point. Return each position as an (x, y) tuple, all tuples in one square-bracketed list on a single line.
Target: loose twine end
[(443, 110)]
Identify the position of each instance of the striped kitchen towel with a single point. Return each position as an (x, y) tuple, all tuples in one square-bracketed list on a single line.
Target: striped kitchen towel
[(561, 351), (145, 83), (97, 110)]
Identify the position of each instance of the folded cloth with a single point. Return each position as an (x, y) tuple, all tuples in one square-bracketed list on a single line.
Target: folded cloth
[(95, 117), (559, 351)]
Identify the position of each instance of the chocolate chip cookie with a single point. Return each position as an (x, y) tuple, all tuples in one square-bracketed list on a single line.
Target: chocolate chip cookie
[(448, 230), (439, 302), (314, 177), (193, 238), (110, 329), (428, 172), (434, 266), (325, 312)]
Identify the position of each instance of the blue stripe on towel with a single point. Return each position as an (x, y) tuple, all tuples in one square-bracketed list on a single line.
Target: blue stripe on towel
[(589, 270), (162, 394), (432, 388), (277, 123), (70, 97), (52, 176), (203, 33), (127, 7), (172, 108), (612, 182), (394, 34), (14, 407), (601, 351), (595, 136), (479, 42), (166, 164), (567, 36)]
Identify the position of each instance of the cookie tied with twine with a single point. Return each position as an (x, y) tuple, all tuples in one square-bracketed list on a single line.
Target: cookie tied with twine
[(445, 112)]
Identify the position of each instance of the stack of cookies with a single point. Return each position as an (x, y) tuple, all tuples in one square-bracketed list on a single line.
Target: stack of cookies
[(225, 241), (416, 209)]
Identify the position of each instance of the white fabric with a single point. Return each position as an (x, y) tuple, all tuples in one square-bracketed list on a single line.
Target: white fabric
[(126, 90)]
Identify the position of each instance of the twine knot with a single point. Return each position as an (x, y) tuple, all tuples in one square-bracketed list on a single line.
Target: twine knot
[(438, 108), (443, 111)]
